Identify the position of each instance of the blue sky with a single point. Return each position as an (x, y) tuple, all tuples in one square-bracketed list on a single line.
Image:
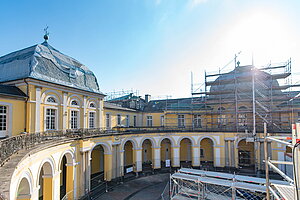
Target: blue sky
[(153, 45)]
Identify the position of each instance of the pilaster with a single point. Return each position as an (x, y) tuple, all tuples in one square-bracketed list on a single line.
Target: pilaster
[(175, 156), (38, 109)]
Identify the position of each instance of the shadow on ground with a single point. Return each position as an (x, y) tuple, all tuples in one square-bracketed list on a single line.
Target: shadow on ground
[(146, 188)]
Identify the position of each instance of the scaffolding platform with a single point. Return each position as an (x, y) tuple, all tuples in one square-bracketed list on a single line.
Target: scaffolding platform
[(198, 184), (286, 191)]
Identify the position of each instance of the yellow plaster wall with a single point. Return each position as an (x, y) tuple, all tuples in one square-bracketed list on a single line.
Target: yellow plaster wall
[(155, 118), (114, 120), (18, 115)]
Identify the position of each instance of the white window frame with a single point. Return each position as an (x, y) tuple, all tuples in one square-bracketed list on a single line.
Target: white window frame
[(149, 120), (95, 119), (51, 103), (197, 121), (56, 117), (181, 121), (9, 109), (92, 102), (75, 106), (78, 118), (108, 119)]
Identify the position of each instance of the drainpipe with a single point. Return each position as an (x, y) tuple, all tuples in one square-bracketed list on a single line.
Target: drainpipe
[(26, 102)]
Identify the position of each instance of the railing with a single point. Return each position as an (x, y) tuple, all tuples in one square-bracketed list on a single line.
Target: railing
[(12, 145)]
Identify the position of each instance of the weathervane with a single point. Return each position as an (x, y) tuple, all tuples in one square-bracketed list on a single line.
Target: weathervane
[(46, 36)]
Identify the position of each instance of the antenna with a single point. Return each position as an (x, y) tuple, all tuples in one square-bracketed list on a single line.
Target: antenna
[(46, 35)]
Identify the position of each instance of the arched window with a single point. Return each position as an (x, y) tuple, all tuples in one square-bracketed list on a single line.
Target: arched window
[(92, 105), (51, 100), (74, 103)]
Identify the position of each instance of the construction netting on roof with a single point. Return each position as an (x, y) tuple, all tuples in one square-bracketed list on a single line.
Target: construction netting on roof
[(45, 63)]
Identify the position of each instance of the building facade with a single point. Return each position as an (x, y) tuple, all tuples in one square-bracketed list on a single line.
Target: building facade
[(69, 139)]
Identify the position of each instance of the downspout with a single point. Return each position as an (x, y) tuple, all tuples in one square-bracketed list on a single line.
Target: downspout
[(26, 102)]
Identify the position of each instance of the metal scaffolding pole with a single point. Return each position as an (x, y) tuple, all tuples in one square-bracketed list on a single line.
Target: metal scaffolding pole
[(266, 162)]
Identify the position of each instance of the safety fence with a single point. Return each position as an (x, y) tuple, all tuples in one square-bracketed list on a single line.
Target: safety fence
[(202, 185)]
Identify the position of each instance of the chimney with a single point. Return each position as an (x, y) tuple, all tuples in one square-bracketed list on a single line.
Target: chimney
[(147, 97)]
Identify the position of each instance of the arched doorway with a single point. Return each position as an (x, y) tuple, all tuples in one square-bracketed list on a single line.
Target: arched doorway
[(128, 158), (207, 152), (66, 176), (24, 189), (46, 182), (165, 153), (63, 177), (185, 153), (246, 155), (147, 155), (97, 167)]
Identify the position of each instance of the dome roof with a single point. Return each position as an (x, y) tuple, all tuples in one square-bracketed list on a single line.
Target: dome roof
[(225, 83), (45, 63)]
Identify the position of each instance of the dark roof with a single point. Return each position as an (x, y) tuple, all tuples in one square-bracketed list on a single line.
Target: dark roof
[(43, 62), (11, 91), (117, 107), (175, 104)]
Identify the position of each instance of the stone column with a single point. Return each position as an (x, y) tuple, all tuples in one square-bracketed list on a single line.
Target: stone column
[(122, 162), (38, 109), (116, 160), (88, 169), (234, 154), (156, 157), (107, 166), (227, 153), (217, 156), (56, 185), (100, 111), (196, 156), (175, 156), (85, 114), (70, 180), (65, 111), (35, 192), (138, 159)]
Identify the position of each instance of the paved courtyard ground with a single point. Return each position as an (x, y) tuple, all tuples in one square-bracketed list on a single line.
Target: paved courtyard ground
[(144, 188)]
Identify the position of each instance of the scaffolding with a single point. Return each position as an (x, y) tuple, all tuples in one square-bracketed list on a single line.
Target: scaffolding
[(116, 94), (244, 98), (199, 184), (290, 190)]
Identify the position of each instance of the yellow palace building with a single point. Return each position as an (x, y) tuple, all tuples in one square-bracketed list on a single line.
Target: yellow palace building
[(60, 139)]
